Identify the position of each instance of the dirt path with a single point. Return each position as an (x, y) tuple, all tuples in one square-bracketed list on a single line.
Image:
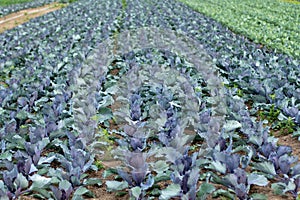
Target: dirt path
[(12, 20)]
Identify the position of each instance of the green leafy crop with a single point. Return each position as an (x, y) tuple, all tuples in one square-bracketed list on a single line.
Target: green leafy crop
[(271, 23)]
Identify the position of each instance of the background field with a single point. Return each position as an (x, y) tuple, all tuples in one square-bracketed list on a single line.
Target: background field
[(273, 23)]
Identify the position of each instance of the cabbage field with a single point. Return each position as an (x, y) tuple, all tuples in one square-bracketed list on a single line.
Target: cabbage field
[(152, 99)]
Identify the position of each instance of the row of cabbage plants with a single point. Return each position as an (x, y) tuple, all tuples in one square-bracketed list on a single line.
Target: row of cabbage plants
[(42, 152), (231, 53)]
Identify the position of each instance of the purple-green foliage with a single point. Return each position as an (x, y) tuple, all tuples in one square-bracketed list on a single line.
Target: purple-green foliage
[(169, 133), (38, 63), (259, 72)]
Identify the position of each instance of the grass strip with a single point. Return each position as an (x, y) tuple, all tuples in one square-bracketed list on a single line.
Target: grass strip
[(11, 2)]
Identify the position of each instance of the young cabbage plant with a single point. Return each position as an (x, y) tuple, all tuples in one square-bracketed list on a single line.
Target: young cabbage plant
[(136, 174), (63, 191), (135, 136), (14, 183), (184, 172), (240, 182)]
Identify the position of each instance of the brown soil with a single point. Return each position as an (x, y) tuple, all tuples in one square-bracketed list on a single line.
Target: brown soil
[(269, 193), (15, 19), (101, 193), (291, 141)]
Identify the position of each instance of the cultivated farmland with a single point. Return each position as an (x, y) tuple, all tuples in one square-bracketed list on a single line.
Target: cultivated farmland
[(151, 100)]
